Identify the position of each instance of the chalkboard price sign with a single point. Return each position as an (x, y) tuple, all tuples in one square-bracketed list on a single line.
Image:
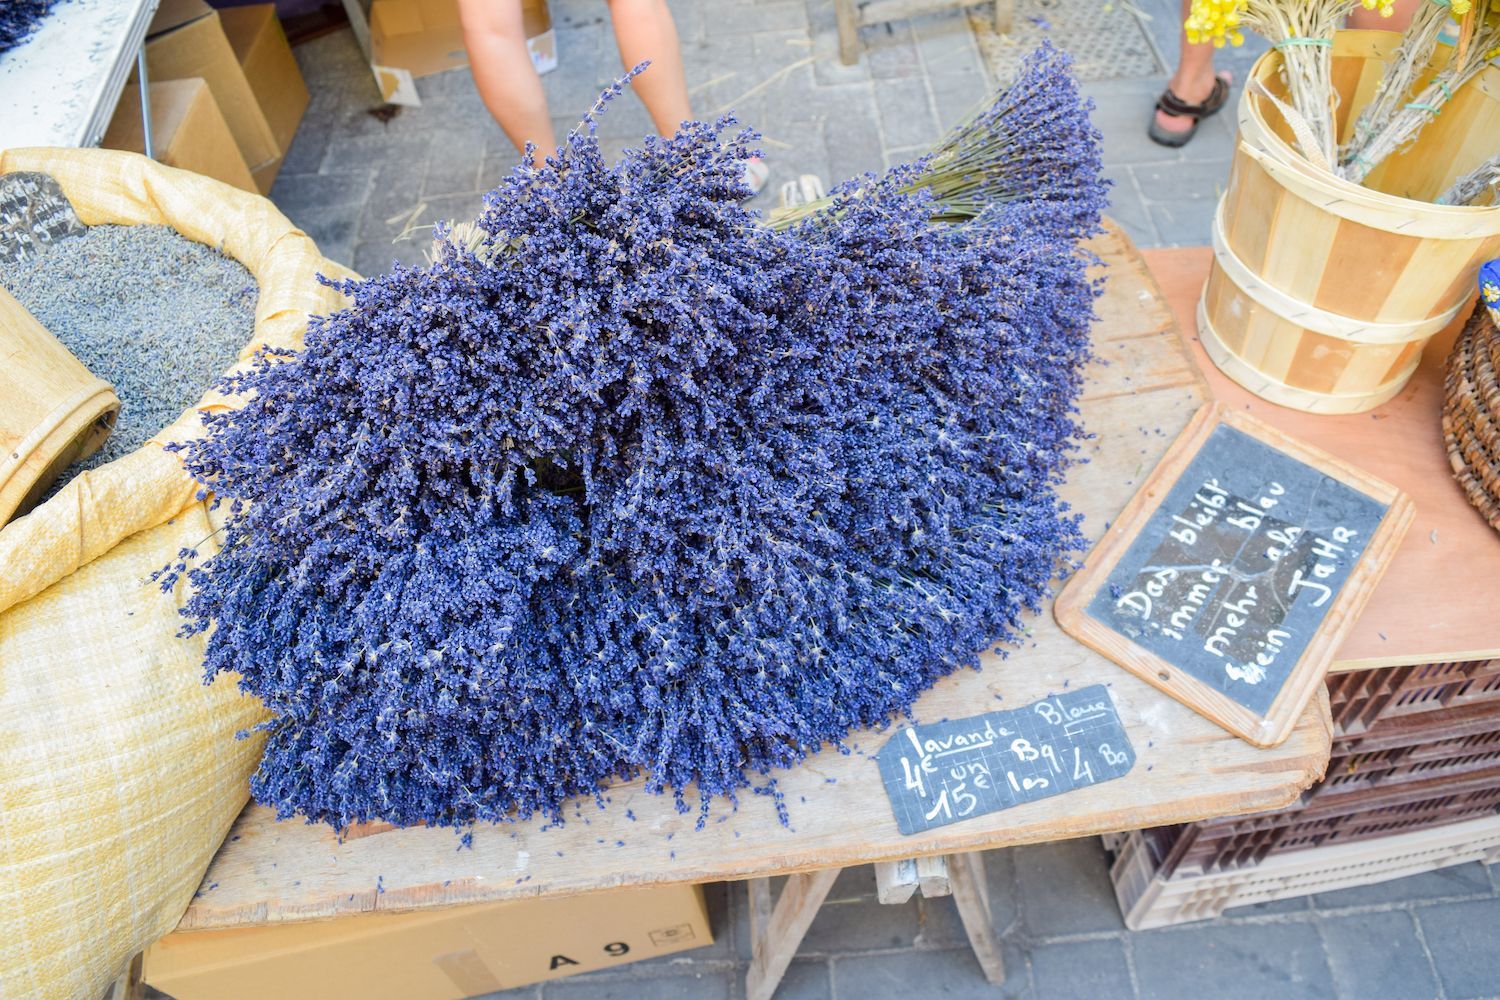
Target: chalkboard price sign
[(956, 770), (1235, 572)]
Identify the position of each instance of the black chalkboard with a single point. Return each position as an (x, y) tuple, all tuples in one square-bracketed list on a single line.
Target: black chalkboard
[(33, 212), (1230, 576), (950, 771)]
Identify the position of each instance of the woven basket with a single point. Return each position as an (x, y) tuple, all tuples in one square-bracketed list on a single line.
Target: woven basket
[(1471, 413)]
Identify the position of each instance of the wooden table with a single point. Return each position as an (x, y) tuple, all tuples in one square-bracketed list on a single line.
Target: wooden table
[(1142, 391), (1436, 602)]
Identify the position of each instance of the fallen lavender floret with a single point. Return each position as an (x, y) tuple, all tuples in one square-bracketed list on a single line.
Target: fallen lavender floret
[(626, 482)]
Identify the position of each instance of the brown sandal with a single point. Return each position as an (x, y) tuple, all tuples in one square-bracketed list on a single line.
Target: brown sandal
[(1175, 107)]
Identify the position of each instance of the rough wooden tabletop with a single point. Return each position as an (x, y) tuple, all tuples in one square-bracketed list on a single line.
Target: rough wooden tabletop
[(1142, 391)]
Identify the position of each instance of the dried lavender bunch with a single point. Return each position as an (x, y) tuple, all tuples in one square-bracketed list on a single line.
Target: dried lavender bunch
[(19, 18), (627, 482), (1476, 185), (1034, 141)]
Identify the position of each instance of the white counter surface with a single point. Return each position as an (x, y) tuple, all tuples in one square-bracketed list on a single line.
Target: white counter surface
[(60, 87)]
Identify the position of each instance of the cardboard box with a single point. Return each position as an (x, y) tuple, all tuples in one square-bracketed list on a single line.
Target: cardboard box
[(444, 954), (541, 40), (186, 40), (266, 59), (410, 39), (187, 131)]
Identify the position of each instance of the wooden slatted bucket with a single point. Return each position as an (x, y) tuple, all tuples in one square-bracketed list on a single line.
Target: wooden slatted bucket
[(1322, 293), (55, 411)]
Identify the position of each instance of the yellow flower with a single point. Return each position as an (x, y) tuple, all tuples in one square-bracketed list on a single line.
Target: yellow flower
[(1386, 7), (1214, 21), (1462, 7), (1491, 292)]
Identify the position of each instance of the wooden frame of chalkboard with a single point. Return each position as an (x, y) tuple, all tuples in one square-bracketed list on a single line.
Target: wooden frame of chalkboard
[(1209, 652)]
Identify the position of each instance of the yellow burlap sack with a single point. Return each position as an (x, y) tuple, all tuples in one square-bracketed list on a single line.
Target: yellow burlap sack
[(119, 770)]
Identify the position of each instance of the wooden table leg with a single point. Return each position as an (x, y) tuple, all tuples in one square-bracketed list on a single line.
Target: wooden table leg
[(933, 877), (144, 81), (776, 933), (848, 19), (1005, 15), (895, 881), (129, 986), (972, 894)]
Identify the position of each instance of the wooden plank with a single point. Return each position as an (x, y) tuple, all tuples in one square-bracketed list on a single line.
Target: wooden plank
[(1436, 603), (130, 986), (760, 910), (881, 11), (1005, 16), (848, 25), (795, 910), (1071, 607), (1186, 768), (971, 893), (932, 876), (895, 881)]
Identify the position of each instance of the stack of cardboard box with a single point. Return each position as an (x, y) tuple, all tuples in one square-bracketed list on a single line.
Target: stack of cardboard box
[(226, 94), (441, 954)]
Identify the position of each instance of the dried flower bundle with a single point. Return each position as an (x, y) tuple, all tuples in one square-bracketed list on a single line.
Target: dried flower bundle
[(627, 482), (1476, 187), (1413, 54), (1302, 31)]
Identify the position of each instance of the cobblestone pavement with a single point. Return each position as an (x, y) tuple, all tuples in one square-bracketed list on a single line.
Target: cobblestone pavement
[(1427, 936), (354, 183)]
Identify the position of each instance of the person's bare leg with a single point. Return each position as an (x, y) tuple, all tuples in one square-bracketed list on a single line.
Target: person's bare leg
[(1194, 79), (503, 72), (644, 30)]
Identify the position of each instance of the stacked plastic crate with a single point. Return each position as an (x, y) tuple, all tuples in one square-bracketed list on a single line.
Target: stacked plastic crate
[(1413, 784)]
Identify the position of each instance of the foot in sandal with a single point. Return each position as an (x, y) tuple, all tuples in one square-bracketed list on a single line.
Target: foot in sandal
[(1183, 105)]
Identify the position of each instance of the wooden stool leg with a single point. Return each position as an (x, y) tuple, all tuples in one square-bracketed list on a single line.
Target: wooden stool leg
[(848, 19), (775, 941), (933, 877), (895, 881), (1005, 14), (129, 986), (760, 909), (972, 894)]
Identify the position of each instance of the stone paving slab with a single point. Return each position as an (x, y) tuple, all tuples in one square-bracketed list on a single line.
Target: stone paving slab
[(356, 184), (1409, 939), (778, 72)]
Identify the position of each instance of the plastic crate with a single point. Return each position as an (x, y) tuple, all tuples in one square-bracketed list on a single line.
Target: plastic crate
[(1413, 747), (1150, 899), (1250, 840), (1361, 698), (1416, 753), (1362, 768)]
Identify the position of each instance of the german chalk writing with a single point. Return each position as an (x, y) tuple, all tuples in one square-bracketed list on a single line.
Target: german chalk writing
[(952, 771), (1235, 571)]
